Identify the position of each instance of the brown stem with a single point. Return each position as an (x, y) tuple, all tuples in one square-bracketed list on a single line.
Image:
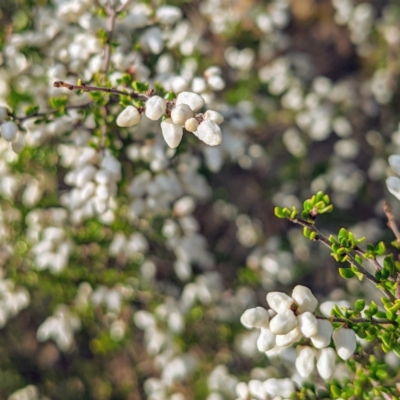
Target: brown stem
[(87, 88), (359, 320), (321, 238)]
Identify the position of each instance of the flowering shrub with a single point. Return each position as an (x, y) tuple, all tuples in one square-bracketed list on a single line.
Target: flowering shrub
[(144, 147)]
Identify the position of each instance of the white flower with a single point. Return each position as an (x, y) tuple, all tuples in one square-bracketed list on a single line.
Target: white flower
[(279, 387), (323, 337), (266, 340), (289, 338), (128, 117), (308, 324), (155, 107), (209, 132), (304, 298), (345, 342), (214, 116), (168, 15), (172, 133), (193, 100), (283, 323), (305, 360), (326, 362), (9, 130), (279, 301), (181, 113), (255, 318)]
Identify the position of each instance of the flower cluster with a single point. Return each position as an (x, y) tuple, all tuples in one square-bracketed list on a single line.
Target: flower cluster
[(289, 320)]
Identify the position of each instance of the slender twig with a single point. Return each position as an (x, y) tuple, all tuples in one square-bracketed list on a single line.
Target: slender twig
[(391, 221), (51, 112), (373, 261), (376, 321), (321, 238), (87, 88)]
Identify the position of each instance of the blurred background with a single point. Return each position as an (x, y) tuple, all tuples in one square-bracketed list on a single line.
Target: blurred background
[(140, 295)]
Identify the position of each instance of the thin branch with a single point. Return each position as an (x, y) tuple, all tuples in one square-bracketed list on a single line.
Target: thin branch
[(391, 221), (382, 321), (321, 238), (87, 88), (51, 112)]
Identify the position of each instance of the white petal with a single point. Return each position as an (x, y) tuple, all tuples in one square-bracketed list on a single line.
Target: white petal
[(304, 298), (308, 324), (172, 133), (305, 360), (181, 113), (326, 362), (155, 107), (128, 117), (193, 100), (283, 323), (191, 125), (288, 339), (266, 340), (214, 116), (345, 342), (257, 317), (9, 130), (394, 162), (393, 185), (209, 132), (323, 337), (279, 301)]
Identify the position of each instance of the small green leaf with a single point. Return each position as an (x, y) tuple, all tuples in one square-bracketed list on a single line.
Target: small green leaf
[(346, 273), (359, 305)]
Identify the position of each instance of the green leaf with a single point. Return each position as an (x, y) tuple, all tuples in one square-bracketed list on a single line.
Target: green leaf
[(388, 264), (380, 248), (346, 273), (359, 305)]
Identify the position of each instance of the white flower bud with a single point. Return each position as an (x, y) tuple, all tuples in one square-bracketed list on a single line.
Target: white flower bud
[(279, 387), (9, 130), (256, 389), (216, 82), (266, 340), (288, 339), (279, 301), (283, 323), (323, 337), (155, 107), (3, 113), (209, 132), (168, 15), (181, 113), (214, 116), (191, 125), (242, 390), (255, 318), (193, 100), (308, 324), (345, 342), (304, 298), (128, 117), (19, 143), (172, 133), (394, 162), (305, 360), (326, 362)]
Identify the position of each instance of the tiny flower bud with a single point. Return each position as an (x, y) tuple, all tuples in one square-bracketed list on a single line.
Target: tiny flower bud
[(209, 132), (323, 337), (279, 387), (305, 360), (345, 342), (191, 125), (172, 133), (304, 298), (181, 113), (326, 362), (266, 340), (283, 323), (279, 301), (308, 324), (255, 318), (128, 117), (214, 116), (168, 15), (9, 130), (155, 107), (193, 100)]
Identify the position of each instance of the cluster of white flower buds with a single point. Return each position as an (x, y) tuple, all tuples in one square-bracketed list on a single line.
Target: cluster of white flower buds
[(289, 320), (181, 113), (10, 131)]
